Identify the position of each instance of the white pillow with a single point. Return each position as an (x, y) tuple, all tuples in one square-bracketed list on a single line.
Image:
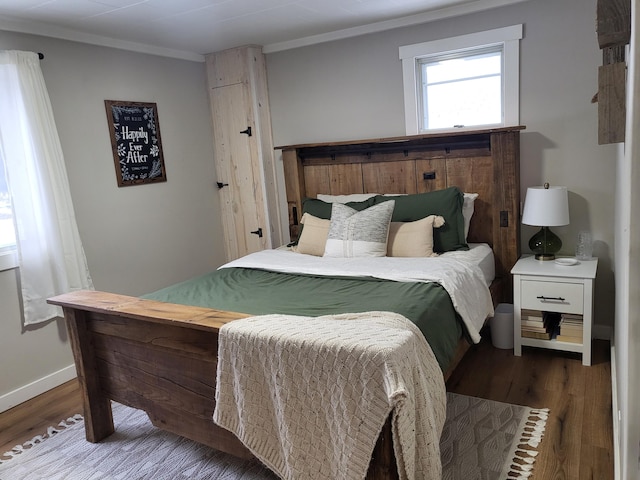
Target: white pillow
[(467, 211), (354, 197), (413, 239), (359, 234)]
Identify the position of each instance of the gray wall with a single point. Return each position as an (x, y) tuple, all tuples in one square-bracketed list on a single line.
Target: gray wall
[(352, 89), (137, 239)]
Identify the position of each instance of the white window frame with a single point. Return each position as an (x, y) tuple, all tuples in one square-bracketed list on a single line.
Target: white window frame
[(8, 259), (509, 37), (8, 255)]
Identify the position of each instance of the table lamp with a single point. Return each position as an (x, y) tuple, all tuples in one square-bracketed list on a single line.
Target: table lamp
[(546, 207)]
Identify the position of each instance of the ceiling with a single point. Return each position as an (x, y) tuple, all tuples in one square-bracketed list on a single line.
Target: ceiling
[(191, 28)]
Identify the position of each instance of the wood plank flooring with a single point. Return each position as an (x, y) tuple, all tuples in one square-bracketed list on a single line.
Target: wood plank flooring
[(578, 442), (31, 418)]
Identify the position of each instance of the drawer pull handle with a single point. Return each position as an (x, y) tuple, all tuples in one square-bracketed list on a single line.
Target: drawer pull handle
[(543, 298)]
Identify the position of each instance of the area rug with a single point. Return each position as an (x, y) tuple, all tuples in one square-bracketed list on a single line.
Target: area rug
[(487, 440), (482, 440)]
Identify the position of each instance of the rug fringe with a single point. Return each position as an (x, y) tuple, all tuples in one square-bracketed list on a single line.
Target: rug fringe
[(532, 431), (51, 431)]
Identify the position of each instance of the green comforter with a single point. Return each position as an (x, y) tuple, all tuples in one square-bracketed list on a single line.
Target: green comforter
[(259, 292)]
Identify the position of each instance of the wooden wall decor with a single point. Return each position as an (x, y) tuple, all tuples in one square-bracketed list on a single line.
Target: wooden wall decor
[(613, 22), (612, 109), (614, 32)]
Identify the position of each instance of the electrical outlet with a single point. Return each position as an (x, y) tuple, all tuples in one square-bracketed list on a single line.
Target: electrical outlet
[(504, 218)]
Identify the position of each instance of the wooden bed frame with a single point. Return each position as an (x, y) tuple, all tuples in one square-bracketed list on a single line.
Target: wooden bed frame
[(162, 357)]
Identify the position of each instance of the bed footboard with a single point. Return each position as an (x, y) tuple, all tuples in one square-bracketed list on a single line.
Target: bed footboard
[(154, 356), (160, 358)]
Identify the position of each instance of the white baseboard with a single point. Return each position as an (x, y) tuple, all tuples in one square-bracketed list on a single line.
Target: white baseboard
[(615, 410), (33, 389)]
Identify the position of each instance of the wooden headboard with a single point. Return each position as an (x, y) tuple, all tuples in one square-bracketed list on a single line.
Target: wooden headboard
[(486, 162)]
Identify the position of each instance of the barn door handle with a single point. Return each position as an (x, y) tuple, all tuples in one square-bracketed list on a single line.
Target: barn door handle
[(221, 185), (247, 131), (258, 232)]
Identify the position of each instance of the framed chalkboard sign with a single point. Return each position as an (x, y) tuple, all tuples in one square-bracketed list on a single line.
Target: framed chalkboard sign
[(135, 141)]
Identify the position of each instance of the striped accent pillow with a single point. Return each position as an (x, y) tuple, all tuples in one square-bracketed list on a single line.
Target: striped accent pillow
[(359, 234)]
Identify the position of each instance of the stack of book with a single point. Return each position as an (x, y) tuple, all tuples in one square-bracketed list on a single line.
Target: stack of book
[(565, 327), (570, 328), (532, 324)]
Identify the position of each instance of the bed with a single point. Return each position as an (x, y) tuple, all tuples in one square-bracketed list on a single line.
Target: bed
[(160, 355)]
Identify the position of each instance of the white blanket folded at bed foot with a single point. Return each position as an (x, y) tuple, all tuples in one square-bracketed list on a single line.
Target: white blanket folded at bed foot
[(309, 396)]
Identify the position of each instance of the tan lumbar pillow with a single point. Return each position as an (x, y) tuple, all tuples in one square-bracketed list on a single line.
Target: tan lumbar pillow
[(314, 235), (413, 239)]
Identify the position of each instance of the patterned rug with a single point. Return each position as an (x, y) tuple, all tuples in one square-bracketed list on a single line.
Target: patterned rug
[(482, 440), (487, 440)]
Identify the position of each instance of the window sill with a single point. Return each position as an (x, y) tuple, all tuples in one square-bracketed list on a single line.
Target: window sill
[(8, 260), (470, 128)]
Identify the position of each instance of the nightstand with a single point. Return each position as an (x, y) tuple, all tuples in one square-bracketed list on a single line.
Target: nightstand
[(553, 305)]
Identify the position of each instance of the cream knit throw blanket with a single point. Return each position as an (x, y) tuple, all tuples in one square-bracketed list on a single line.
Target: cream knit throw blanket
[(309, 395)]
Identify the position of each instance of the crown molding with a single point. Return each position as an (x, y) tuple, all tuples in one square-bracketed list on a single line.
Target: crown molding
[(53, 31), (13, 24), (421, 18)]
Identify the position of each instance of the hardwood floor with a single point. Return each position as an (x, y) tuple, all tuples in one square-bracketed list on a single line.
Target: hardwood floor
[(31, 418), (578, 442)]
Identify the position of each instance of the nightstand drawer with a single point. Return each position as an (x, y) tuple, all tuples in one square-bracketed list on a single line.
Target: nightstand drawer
[(552, 296)]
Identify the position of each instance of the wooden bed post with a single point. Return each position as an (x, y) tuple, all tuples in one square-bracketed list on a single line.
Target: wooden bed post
[(98, 418), (295, 186), (505, 149)]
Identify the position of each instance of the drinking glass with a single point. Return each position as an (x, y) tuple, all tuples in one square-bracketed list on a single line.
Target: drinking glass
[(584, 247)]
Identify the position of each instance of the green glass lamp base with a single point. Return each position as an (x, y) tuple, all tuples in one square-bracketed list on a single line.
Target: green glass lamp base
[(545, 256), (545, 244)]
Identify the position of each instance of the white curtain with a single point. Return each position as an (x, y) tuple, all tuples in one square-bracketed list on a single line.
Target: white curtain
[(50, 255)]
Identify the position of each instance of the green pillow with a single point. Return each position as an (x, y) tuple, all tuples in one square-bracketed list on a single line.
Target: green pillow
[(446, 203), (320, 209)]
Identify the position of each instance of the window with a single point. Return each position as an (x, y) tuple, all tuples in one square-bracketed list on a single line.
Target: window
[(8, 257), (469, 81), (462, 89), (7, 234)]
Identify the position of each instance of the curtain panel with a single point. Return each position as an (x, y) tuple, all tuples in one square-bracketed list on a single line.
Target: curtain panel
[(50, 254)]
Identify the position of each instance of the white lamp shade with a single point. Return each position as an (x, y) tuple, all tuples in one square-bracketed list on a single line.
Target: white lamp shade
[(546, 207)]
